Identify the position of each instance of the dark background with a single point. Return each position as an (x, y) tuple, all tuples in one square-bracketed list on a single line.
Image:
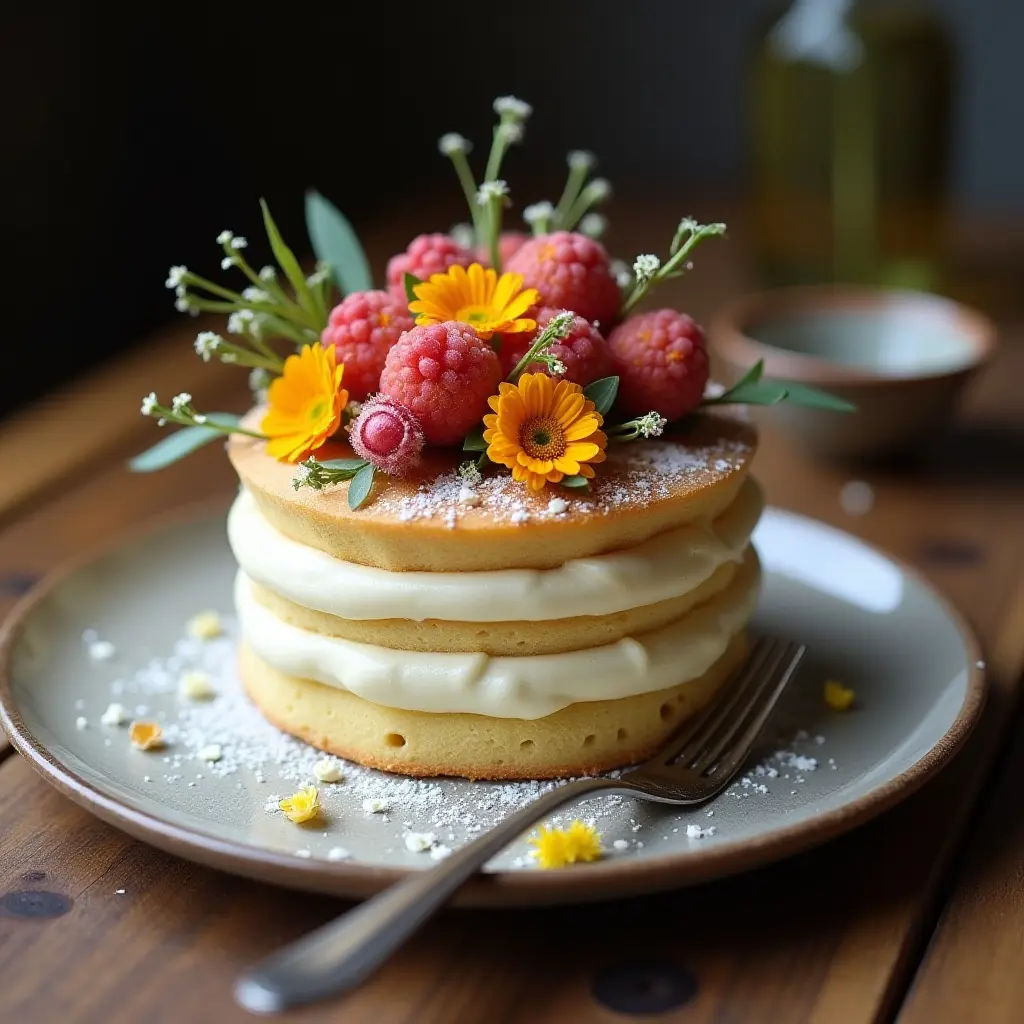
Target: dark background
[(133, 134)]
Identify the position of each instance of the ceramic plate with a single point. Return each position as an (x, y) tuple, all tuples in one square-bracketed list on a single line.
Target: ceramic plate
[(866, 621)]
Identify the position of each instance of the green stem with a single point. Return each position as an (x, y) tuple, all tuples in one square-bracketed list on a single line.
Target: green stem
[(543, 341), (462, 169), (573, 184), (494, 229), (499, 147), (582, 204)]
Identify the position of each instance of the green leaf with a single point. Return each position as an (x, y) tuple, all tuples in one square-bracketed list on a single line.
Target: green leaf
[(475, 441), (170, 449), (335, 242), (360, 487), (602, 393), (343, 465), (288, 263), (576, 483), (410, 281), (815, 398), (750, 389)]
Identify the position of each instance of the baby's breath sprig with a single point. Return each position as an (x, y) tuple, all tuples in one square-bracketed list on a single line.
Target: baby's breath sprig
[(558, 327), (258, 356), (651, 424), (264, 308), (182, 412), (578, 197), (648, 269), (492, 198)]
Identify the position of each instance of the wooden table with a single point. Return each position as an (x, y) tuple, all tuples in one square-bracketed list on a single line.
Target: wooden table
[(918, 916)]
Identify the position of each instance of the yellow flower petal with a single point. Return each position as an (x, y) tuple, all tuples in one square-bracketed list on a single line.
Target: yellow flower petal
[(302, 806), (559, 847), (146, 735)]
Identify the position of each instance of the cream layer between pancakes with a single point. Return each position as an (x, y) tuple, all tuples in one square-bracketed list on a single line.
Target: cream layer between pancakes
[(667, 566)]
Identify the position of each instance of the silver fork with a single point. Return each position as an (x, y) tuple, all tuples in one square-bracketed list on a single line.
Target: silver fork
[(695, 765)]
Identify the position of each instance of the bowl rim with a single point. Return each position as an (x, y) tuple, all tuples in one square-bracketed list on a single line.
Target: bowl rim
[(730, 324)]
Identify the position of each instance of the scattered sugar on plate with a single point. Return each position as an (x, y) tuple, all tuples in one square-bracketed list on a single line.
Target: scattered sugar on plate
[(620, 844), (81, 723), (440, 851), (336, 853), (102, 650), (328, 770), (196, 686), (419, 842), (696, 832), (116, 714), (374, 805), (212, 752)]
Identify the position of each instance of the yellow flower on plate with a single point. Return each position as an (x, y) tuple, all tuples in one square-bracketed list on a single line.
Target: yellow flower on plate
[(557, 847), (544, 430), (478, 297), (146, 735), (306, 403), (837, 696), (302, 806)]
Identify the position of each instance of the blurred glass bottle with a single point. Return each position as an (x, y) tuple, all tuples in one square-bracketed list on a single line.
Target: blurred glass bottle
[(851, 114)]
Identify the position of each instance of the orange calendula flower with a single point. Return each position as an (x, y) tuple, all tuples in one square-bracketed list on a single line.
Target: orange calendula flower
[(303, 806), (478, 297), (544, 430), (306, 403), (557, 847), (146, 735)]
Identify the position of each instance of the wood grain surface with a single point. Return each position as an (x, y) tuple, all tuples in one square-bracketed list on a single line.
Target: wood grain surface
[(834, 935)]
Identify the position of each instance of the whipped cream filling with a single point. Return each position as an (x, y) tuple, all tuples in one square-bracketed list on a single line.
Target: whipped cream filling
[(666, 566), (527, 687)]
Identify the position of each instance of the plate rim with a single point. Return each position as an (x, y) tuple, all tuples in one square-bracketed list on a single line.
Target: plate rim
[(604, 879)]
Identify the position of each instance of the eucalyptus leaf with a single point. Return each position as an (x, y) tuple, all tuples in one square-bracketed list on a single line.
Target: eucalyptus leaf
[(170, 449), (602, 393), (344, 465), (409, 281), (815, 398), (761, 392), (288, 263), (335, 242), (360, 486), (576, 483), (475, 441)]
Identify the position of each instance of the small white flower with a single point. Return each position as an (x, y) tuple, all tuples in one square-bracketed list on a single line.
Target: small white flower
[(239, 242), (622, 274), (240, 321), (338, 853), (651, 424), (196, 685), (181, 401), (149, 403), (227, 263), (199, 418), (224, 238), (302, 472), (376, 806), (268, 274), (556, 506), (557, 368), (513, 108), (328, 770), (561, 323), (452, 142), (182, 306), (598, 190), (594, 225), (181, 291), (511, 132), (206, 343), (463, 234), (211, 753), (646, 266), (81, 723), (470, 473), (253, 294), (419, 842), (116, 714), (581, 160), (491, 190), (538, 212), (175, 276), (467, 496)]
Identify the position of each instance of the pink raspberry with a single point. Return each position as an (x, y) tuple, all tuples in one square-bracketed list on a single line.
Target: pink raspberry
[(509, 243), (570, 271), (362, 328), (426, 255), (584, 351), (662, 363), (443, 375), (388, 435)]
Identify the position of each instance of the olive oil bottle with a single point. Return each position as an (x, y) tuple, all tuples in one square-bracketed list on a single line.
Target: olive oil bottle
[(850, 106)]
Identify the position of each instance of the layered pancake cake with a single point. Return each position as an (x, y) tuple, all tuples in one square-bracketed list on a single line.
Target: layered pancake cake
[(494, 521), (488, 631)]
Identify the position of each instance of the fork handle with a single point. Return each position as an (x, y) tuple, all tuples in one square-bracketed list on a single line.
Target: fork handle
[(342, 954)]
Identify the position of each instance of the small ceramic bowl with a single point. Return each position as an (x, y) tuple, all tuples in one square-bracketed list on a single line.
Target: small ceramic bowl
[(901, 357)]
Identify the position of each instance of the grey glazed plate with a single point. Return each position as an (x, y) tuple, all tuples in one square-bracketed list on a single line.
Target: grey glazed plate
[(867, 622)]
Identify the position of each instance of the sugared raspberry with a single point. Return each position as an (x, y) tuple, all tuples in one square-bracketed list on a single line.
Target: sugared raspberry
[(570, 271), (662, 363), (509, 243), (426, 255), (362, 328), (584, 351), (444, 375), (388, 435)]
